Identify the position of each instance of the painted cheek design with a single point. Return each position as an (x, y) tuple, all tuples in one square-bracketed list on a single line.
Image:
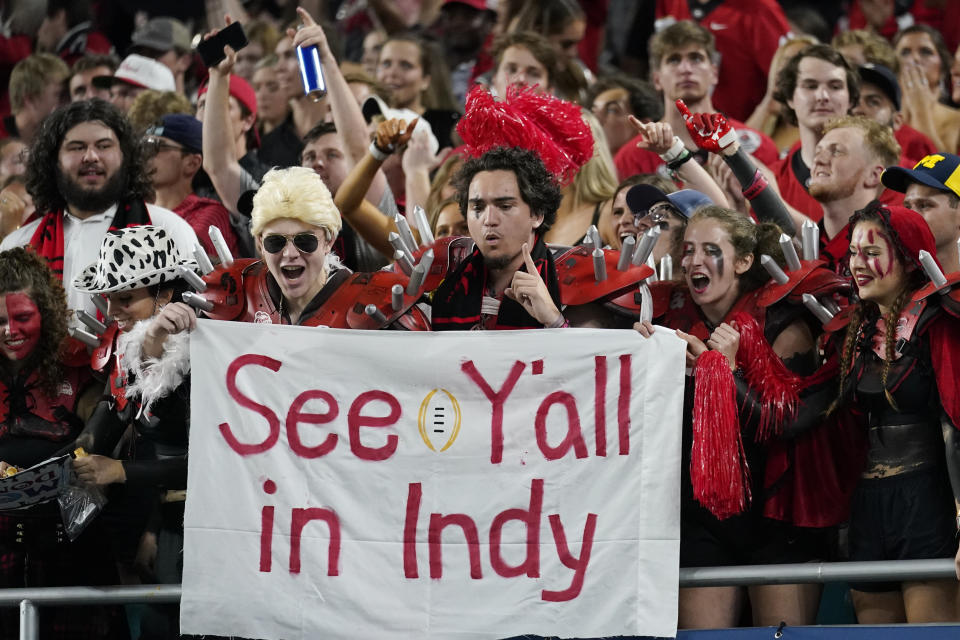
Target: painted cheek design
[(884, 267), (716, 256)]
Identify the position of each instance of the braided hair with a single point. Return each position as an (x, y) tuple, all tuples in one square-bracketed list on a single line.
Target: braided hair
[(866, 312)]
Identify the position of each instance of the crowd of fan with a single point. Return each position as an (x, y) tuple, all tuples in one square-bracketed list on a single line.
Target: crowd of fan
[(842, 117)]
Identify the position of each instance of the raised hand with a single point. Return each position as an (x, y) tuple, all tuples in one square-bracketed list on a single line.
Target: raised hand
[(393, 134), (310, 34), (529, 289), (657, 136), (225, 67), (709, 131), (418, 155)]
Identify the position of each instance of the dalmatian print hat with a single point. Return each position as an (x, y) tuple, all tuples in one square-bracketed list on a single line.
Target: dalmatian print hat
[(132, 258)]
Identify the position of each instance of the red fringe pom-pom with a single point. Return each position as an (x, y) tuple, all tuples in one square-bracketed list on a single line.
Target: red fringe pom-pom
[(550, 127), (777, 387), (718, 464)]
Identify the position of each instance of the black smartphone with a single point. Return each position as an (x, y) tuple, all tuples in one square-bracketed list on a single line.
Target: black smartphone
[(211, 49)]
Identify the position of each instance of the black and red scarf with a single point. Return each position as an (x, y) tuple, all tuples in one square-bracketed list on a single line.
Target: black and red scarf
[(458, 299), (47, 240)]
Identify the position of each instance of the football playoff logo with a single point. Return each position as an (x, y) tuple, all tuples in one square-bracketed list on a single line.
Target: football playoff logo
[(439, 420)]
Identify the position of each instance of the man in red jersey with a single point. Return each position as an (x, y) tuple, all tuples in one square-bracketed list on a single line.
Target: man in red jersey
[(682, 67), (748, 33), (815, 86)]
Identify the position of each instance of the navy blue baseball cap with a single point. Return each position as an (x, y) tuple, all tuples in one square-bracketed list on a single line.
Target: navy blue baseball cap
[(182, 128), (884, 79), (940, 171), (643, 196)]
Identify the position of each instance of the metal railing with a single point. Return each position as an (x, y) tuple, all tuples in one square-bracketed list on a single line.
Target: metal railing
[(29, 600)]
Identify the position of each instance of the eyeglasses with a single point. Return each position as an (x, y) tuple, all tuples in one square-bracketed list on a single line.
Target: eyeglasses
[(156, 145), (304, 242), (657, 214)]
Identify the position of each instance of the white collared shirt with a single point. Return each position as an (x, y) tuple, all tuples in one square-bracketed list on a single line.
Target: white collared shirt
[(82, 239)]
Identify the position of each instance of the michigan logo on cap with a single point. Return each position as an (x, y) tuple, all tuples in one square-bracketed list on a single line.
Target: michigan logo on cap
[(439, 420)]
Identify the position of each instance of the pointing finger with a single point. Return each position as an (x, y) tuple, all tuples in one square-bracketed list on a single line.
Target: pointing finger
[(307, 19), (527, 260)]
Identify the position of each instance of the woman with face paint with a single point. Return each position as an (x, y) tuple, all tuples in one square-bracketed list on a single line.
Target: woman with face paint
[(45, 405), (896, 375), (716, 310)]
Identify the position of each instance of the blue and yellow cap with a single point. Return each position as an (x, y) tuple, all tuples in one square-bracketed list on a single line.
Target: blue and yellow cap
[(940, 171)]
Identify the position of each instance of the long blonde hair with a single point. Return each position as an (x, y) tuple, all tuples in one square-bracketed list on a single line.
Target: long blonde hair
[(596, 180)]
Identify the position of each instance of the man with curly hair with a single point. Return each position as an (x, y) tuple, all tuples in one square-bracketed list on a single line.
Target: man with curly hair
[(86, 175), (508, 280)]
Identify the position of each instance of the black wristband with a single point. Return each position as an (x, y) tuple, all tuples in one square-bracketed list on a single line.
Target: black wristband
[(676, 164)]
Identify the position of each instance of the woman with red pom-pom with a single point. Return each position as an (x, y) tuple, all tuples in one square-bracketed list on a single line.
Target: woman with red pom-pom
[(743, 358)]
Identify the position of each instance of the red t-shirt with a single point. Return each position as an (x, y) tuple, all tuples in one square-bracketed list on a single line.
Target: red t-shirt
[(631, 160), (748, 33), (914, 146), (200, 213)]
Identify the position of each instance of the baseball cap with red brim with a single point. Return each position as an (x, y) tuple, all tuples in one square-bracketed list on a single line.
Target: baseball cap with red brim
[(139, 71), (242, 92)]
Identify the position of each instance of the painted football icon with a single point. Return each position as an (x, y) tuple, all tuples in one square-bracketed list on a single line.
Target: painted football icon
[(439, 419)]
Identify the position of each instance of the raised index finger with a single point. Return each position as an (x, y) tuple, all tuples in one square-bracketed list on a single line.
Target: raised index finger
[(307, 19), (527, 260), (682, 108)]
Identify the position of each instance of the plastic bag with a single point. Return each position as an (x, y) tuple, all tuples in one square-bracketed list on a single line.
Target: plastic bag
[(79, 505)]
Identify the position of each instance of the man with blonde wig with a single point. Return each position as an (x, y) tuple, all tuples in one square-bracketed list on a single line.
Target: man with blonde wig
[(297, 279)]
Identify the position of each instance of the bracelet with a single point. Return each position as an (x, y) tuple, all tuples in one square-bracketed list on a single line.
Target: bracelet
[(378, 154), (758, 184), (675, 151), (675, 164), (561, 323)]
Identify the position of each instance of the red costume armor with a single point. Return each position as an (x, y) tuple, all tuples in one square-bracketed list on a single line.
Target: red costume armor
[(240, 292)]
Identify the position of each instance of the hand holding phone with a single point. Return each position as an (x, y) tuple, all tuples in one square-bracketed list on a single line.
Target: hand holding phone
[(211, 49)]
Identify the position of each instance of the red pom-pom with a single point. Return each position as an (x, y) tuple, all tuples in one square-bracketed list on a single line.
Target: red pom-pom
[(718, 464), (550, 127), (777, 387)]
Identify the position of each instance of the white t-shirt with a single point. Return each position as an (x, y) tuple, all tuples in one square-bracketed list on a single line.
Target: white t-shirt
[(82, 240)]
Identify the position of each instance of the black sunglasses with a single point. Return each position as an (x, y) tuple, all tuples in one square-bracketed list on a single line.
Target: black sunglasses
[(304, 242)]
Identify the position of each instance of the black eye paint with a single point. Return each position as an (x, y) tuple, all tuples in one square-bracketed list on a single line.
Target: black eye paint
[(717, 254)]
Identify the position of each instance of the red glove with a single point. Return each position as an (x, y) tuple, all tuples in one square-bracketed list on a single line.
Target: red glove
[(710, 131)]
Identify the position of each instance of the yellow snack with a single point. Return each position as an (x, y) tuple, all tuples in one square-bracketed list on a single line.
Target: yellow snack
[(10, 471), (79, 452)]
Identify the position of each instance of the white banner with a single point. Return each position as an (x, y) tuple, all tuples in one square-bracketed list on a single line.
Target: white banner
[(355, 484)]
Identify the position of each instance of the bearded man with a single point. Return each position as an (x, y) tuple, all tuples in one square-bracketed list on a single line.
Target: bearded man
[(86, 176)]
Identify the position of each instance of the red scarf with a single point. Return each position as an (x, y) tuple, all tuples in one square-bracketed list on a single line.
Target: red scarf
[(47, 240)]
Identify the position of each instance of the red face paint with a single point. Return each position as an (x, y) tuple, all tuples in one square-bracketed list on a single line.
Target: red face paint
[(884, 241), (20, 325)]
